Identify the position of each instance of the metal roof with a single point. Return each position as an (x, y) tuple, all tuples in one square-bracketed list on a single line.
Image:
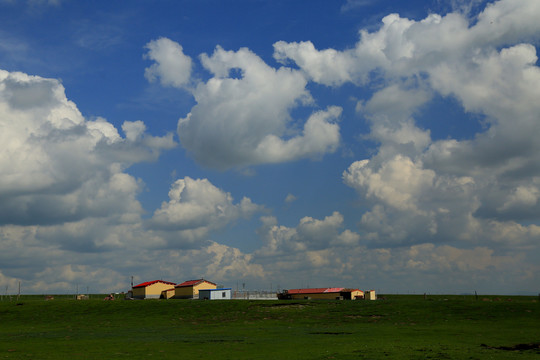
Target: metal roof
[(215, 289), (193, 283), (306, 291), (148, 283), (319, 290)]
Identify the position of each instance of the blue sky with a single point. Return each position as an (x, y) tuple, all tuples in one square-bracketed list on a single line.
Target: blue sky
[(383, 145)]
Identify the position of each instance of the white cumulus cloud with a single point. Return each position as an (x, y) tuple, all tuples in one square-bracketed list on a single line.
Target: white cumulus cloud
[(243, 112), (56, 165), (310, 235), (196, 207), (171, 66)]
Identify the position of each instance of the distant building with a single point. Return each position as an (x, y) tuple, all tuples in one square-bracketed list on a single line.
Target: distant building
[(322, 293), (151, 289), (370, 295), (215, 294), (190, 289)]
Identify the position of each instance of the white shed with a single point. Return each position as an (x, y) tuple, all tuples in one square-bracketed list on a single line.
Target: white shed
[(215, 294)]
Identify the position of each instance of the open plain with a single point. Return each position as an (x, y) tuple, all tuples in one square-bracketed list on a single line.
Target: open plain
[(398, 327)]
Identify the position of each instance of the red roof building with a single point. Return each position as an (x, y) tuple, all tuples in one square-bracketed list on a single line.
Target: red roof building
[(315, 291), (194, 283), (151, 289), (190, 289), (322, 293)]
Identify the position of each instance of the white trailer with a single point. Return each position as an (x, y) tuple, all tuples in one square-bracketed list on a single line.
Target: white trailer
[(215, 294)]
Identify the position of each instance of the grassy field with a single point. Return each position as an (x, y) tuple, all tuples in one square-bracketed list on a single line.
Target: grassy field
[(400, 327)]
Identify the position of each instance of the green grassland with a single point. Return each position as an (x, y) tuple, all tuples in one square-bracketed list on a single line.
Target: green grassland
[(399, 327)]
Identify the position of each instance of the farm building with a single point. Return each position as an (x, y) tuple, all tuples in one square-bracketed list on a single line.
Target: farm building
[(370, 295), (322, 293), (190, 289), (151, 289), (167, 294), (215, 294)]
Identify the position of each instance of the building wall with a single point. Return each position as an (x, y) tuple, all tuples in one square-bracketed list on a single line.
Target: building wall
[(223, 294), (154, 291), (203, 285), (139, 293), (184, 292), (151, 291), (187, 292), (215, 294), (324, 296), (357, 294), (370, 295), (167, 294)]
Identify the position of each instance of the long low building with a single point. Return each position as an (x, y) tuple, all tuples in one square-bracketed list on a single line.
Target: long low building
[(322, 293)]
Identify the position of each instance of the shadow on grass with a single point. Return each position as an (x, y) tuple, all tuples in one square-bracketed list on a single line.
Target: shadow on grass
[(517, 347)]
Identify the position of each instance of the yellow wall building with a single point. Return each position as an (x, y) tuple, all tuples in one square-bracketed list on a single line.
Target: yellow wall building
[(357, 294), (151, 289), (190, 289)]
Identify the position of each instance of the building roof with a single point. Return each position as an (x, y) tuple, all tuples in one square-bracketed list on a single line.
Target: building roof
[(319, 290), (215, 289), (314, 291), (148, 283), (193, 283)]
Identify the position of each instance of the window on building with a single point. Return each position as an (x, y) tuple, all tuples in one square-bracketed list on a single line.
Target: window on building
[(223, 294)]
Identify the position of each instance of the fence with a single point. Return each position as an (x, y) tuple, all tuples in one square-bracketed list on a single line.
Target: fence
[(254, 295)]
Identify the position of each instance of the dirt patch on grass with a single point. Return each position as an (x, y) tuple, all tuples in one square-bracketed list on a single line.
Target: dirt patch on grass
[(201, 341), (517, 347), (281, 306)]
